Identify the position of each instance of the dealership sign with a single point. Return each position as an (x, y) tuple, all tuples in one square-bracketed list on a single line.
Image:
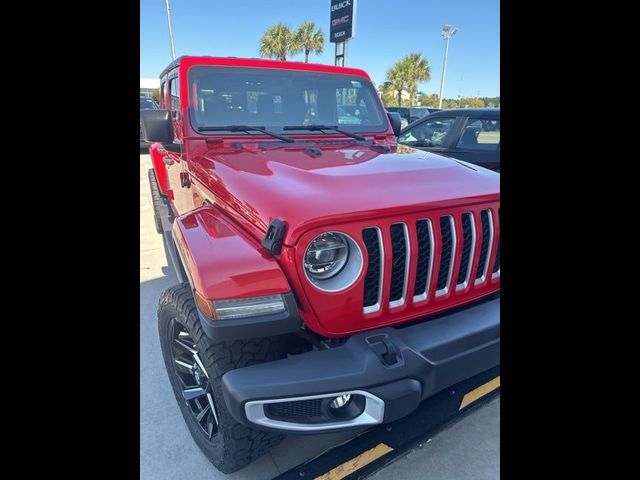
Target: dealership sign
[(343, 22)]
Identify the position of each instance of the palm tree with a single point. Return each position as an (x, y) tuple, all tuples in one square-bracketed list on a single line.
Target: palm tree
[(277, 42), (397, 79), (406, 74), (418, 70), (309, 40)]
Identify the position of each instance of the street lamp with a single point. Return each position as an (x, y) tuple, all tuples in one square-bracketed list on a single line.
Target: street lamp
[(448, 31), (173, 49)]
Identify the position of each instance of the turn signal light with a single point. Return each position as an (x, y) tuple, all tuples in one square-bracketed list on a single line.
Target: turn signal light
[(205, 306)]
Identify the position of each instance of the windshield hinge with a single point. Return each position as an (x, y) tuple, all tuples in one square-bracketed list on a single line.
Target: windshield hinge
[(272, 240)]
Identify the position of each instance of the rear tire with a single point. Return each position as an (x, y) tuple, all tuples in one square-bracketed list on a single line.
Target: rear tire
[(233, 445), (156, 198)]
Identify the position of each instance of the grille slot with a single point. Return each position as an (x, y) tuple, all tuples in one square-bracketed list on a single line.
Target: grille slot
[(487, 239), (441, 242), (468, 247), (373, 278), (298, 409), (448, 239), (424, 232), (496, 264), (400, 264)]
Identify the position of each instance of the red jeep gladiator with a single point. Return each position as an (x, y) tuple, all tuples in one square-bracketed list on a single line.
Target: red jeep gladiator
[(330, 278)]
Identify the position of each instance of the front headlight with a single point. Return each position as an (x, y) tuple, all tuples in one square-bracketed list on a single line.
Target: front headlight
[(326, 255), (332, 261), (248, 307)]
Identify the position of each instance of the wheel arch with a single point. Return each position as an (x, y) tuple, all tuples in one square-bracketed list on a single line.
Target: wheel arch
[(220, 261)]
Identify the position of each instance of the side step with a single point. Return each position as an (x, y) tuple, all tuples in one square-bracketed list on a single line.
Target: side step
[(372, 450)]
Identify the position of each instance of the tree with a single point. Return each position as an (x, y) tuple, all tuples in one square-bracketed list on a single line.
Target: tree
[(308, 39), (450, 103), (278, 42), (390, 96), (397, 79), (429, 100), (388, 93), (418, 70), (491, 101), (471, 102), (406, 74)]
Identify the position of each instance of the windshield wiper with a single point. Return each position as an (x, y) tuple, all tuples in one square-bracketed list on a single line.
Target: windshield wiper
[(314, 128), (245, 128)]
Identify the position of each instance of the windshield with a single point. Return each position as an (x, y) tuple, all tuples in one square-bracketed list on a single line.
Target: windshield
[(147, 104), (274, 98)]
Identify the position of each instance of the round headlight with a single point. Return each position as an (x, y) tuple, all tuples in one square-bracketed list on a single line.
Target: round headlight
[(326, 255), (332, 262)]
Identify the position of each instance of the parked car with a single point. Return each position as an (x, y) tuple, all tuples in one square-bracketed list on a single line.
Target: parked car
[(411, 114), (469, 134), (329, 279), (146, 103)]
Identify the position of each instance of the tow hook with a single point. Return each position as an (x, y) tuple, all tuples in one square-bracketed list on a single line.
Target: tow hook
[(384, 348)]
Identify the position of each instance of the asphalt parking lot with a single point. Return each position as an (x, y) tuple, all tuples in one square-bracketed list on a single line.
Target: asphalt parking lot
[(468, 449)]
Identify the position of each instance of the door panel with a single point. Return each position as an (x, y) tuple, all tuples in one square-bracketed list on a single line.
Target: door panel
[(479, 143), (432, 133), (175, 160)]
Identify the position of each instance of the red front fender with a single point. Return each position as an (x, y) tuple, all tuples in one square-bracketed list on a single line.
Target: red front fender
[(222, 262), (159, 167)]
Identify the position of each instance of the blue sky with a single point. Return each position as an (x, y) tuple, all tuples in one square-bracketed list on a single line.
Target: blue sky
[(385, 32)]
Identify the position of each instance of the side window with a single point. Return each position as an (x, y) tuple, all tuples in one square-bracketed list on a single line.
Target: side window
[(174, 87), (430, 133), (480, 135)]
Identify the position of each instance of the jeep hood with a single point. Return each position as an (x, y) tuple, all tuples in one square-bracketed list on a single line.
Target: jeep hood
[(342, 183)]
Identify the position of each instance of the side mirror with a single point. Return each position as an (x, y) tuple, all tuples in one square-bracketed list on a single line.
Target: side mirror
[(396, 122), (156, 126)]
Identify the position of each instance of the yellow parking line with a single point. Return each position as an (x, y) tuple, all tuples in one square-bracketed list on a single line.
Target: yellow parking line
[(356, 463), (481, 391)]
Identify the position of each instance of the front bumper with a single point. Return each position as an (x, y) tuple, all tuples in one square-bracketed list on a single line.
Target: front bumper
[(390, 371)]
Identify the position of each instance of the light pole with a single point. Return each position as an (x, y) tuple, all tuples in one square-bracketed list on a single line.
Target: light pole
[(173, 48), (448, 31)]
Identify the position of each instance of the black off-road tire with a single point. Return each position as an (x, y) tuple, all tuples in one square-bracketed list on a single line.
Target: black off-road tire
[(156, 198), (235, 445)]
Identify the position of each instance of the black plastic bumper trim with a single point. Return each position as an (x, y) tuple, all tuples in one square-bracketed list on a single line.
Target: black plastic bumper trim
[(433, 355)]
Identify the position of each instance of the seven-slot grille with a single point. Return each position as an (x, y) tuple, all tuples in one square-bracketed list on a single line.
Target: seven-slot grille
[(469, 235)]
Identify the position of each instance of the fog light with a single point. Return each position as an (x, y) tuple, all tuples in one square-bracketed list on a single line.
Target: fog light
[(340, 401)]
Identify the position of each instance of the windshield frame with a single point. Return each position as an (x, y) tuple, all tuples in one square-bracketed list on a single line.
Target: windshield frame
[(360, 129)]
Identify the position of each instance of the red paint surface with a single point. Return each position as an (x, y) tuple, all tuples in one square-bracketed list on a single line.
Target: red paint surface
[(224, 263), (159, 167), (345, 183), (339, 314), (347, 188)]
